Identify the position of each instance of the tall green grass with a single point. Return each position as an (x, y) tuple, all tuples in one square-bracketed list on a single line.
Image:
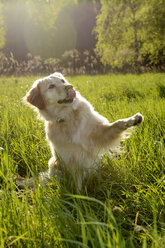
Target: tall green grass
[(123, 206)]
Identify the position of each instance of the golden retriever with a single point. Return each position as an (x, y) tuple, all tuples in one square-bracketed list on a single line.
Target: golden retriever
[(76, 133)]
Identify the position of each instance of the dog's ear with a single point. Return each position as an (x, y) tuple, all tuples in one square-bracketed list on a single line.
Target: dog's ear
[(34, 97)]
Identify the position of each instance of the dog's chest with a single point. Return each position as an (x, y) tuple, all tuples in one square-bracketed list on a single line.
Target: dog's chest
[(63, 133)]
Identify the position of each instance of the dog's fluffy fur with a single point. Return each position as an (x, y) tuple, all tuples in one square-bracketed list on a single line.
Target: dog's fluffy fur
[(74, 130)]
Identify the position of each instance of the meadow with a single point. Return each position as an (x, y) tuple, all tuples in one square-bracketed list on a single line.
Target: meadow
[(122, 207)]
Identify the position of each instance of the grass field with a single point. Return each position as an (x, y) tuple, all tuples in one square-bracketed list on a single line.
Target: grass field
[(123, 207)]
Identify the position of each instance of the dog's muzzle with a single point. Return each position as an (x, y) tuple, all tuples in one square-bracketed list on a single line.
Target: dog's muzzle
[(71, 94)]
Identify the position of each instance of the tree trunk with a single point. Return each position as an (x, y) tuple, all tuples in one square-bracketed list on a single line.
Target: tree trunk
[(132, 7)]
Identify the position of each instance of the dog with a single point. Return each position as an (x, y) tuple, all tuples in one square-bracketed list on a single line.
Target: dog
[(76, 133)]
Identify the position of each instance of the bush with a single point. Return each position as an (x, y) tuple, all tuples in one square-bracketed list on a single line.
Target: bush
[(72, 62)]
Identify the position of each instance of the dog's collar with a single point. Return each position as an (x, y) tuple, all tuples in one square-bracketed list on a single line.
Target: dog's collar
[(60, 120)]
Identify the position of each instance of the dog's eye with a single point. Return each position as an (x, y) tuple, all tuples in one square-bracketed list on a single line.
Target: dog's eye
[(51, 86), (62, 80)]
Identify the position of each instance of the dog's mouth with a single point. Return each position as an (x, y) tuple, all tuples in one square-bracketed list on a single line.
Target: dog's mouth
[(71, 94)]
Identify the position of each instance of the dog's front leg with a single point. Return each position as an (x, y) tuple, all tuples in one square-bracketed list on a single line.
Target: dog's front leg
[(123, 124), (108, 133)]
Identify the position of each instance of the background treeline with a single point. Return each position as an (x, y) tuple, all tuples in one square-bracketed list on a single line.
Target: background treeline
[(71, 62), (78, 37)]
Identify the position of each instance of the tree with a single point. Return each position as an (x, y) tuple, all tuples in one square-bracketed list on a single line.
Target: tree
[(49, 28), (41, 27), (2, 32), (129, 30), (84, 16), (152, 31), (14, 13)]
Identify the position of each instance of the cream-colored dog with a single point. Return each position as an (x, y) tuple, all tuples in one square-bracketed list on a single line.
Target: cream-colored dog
[(76, 133)]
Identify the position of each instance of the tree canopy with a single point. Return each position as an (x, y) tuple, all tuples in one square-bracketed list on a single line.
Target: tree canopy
[(2, 31), (126, 32), (131, 30), (47, 27)]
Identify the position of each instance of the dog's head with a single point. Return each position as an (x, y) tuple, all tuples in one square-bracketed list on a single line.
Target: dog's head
[(53, 89)]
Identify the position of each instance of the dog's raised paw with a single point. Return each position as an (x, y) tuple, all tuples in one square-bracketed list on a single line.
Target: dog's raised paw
[(138, 119)]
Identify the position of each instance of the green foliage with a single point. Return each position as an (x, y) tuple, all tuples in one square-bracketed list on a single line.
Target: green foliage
[(129, 31), (2, 31), (48, 27), (44, 28), (72, 62), (152, 30), (123, 206), (110, 28)]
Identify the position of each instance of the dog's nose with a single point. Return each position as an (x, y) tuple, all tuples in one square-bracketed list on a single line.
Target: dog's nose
[(69, 86)]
